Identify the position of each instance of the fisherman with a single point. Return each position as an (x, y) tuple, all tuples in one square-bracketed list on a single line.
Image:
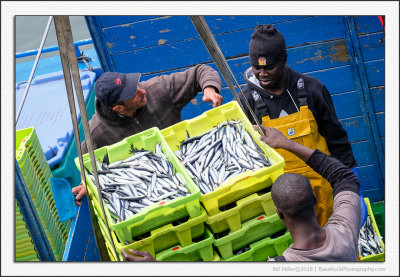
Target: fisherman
[(124, 106), (294, 202), (299, 106)]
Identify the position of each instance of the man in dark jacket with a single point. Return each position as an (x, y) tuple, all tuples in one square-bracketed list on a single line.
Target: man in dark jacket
[(299, 106), (124, 106), (294, 202)]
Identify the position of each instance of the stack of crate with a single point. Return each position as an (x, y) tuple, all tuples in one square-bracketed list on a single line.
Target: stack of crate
[(240, 214), (236, 216), (37, 174), (165, 229), (24, 247)]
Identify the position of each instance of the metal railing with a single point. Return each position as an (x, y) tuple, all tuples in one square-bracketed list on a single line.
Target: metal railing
[(54, 48)]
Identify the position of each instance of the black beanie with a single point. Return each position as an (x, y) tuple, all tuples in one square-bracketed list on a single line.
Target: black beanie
[(267, 46)]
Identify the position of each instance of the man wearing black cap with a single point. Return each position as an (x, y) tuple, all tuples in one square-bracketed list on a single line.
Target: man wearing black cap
[(124, 106), (300, 107)]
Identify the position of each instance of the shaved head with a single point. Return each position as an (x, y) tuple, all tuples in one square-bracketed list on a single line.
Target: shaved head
[(293, 195)]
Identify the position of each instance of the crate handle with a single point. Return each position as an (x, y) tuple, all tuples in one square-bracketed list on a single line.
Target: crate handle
[(227, 108), (148, 135), (168, 132)]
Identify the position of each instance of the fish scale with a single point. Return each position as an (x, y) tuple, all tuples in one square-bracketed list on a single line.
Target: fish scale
[(138, 181), (368, 242), (220, 150)]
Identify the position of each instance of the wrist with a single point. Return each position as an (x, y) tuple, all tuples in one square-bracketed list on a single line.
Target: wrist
[(288, 144), (209, 89)]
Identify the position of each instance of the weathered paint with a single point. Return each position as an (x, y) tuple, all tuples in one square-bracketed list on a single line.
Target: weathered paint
[(339, 53), (316, 45), (110, 45)]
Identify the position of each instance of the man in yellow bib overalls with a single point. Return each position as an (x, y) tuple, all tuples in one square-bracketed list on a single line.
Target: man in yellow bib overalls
[(300, 107)]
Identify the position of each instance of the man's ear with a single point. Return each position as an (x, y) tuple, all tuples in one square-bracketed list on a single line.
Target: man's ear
[(118, 108), (279, 212)]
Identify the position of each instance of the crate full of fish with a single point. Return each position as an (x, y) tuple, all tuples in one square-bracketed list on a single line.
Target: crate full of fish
[(251, 231), (370, 244), (234, 214), (223, 154), (142, 183), (263, 249), (200, 250), (182, 232)]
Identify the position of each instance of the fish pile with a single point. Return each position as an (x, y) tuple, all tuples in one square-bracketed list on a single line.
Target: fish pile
[(220, 154), (369, 243), (145, 178), (241, 250)]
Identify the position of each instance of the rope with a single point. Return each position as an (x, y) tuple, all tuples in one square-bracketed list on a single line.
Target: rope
[(33, 69)]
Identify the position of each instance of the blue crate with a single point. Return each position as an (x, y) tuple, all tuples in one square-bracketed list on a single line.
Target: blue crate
[(66, 168), (46, 108)]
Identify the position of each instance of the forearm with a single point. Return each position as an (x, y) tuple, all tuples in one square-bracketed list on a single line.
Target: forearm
[(338, 175), (181, 87), (207, 77), (297, 149)]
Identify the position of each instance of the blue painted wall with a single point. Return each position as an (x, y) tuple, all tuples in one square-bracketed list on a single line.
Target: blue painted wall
[(321, 46)]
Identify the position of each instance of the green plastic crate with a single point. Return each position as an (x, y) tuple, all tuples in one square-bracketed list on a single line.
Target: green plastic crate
[(25, 249), (246, 208), (378, 209), (110, 251), (251, 231), (162, 237), (262, 249), (216, 258), (22, 236), (25, 254), (37, 174), (30, 258), (380, 256), (241, 185), (23, 245), (197, 251), (154, 215)]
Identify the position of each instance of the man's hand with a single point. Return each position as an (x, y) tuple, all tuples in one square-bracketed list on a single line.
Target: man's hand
[(80, 192), (142, 256), (211, 95), (273, 137)]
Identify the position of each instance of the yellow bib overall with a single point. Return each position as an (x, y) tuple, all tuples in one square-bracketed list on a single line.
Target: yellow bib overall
[(302, 128)]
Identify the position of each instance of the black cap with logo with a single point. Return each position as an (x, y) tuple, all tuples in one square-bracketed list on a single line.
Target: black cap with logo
[(112, 87), (267, 46)]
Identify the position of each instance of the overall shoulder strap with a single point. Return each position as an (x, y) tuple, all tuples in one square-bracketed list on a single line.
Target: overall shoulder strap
[(302, 94), (260, 105)]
